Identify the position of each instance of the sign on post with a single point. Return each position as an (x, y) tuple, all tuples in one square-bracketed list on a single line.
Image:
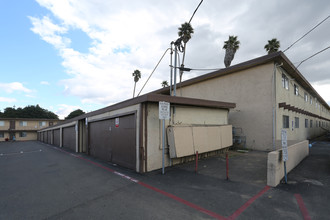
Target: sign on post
[(164, 113), (284, 145), (284, 137), (164, 110)]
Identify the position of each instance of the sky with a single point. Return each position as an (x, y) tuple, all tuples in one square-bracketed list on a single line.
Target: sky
[(80, 54)]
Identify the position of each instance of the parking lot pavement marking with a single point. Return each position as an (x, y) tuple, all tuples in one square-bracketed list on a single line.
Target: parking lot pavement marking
[(178, 199), (169, 195), (21, 152), (248, 203), (302, 207)]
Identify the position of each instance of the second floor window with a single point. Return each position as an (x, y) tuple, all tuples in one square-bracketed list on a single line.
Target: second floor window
[(285, 81), (42, 123), (295, 89), (23, 123), (306, 97), (2, 123)]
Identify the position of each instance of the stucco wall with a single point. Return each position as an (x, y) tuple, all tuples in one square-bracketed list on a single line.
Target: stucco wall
[(251, 91), (275, 163), (184, 115)]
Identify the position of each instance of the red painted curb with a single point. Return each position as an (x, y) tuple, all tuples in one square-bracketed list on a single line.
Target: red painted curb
[(248, 203), (302, 207)]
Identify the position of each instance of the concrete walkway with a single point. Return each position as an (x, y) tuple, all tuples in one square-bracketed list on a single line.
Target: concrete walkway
[(40, 181)]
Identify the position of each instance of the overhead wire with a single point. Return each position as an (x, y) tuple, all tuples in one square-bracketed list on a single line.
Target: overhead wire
[(167, 50), (153, 70), (313, 56), (195, 11), (307, 33)]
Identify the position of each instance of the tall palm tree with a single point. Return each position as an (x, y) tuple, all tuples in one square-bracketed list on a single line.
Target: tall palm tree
[(231, 46), (185, 32), (137, 75), (164, 84), (272, 46)]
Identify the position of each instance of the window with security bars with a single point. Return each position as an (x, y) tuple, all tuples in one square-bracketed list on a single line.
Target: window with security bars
[(286, 121), (296, 122)]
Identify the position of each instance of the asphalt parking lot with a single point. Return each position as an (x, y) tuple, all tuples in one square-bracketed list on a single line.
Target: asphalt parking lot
[(39, 181)]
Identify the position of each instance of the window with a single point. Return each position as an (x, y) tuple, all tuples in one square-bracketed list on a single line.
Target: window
[(2, 134), (23, 123), (295, 89), (285, 121), (306, 123), (296, 122), (306, 97), (311, 100), (22, 134), (316, 123), (2, 123), (285, 81), (311, 123), (42, 123), (319, 123)]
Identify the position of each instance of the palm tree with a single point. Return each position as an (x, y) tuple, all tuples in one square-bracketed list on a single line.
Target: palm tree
[(185, 32), (164, 84), (137, 76), (272, 46), (231, 46)]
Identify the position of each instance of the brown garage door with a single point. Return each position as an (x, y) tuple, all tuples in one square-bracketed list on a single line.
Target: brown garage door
[(69, 138), (49, 137), (57, 137), (114, 144), (44, 134)]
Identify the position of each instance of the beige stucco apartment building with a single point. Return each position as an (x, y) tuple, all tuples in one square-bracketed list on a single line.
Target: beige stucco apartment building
[(270, 95), (23, 129)]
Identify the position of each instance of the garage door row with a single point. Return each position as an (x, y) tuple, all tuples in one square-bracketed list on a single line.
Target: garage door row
[(112, 139)]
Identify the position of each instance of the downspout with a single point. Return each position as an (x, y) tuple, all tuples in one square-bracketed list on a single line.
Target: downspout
[(273, 108), (274, 105)]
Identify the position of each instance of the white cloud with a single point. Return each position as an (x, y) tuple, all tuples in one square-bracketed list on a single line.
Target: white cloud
[(64, 110), (134, 34), (44, 83), (323, 90), (10, 100), (14, 87)]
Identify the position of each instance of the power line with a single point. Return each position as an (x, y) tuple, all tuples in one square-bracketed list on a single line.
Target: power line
[(307, 33), (195, 11), (195, 69), (154, 70), (313, 56), (167, 50)]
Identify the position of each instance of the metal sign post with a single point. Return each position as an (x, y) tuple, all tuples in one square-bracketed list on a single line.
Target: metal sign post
[(164, 113), (284, 151)]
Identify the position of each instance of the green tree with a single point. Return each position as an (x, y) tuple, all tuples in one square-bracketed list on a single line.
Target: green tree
[(137, 75), (29, 111), (185, 32), (164, 84), (74, 114), (231, 46), (272, 46)]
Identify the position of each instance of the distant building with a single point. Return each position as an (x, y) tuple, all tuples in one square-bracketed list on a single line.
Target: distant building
[(23, 129), (270, 95)]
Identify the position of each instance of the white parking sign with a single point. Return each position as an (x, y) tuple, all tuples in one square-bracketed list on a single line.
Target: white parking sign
[(164, 110), (284, 145)]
